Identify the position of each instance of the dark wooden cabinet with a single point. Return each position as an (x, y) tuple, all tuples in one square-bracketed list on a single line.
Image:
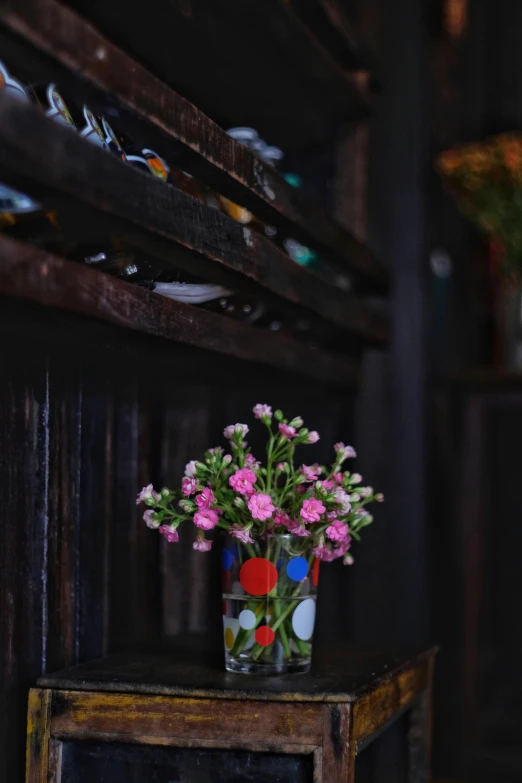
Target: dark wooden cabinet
[(182, 717)]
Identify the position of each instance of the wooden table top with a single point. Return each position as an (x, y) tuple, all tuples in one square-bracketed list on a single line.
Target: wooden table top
[(344, 676)]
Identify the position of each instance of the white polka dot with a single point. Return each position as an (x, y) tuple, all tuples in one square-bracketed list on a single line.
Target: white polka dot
[(303, 619), (247, 619)]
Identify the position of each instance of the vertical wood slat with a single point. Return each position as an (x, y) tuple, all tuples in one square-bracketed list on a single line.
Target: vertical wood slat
[(64, 517), (23, 550), (38, 734), (95, 492), (338, 750)]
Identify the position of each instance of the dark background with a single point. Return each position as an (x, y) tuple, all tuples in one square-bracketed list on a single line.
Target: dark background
[(87, 416)]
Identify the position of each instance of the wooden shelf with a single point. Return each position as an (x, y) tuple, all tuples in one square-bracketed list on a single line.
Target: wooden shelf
[(254, 63), (60, 169), (87, 66), (30, 274)]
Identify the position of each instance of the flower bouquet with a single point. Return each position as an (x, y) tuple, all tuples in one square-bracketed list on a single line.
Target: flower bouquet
[(486, 180), (278, 522)]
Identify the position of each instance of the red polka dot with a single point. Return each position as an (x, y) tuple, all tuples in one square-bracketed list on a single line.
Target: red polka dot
[(315, 572), (265, 635), (226, 578), (258, 576)]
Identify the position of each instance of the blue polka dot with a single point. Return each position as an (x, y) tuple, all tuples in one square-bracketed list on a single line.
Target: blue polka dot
[(227, 559), (297, 569)]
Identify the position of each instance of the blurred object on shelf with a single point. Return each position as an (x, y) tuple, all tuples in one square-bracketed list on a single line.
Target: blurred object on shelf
[(486, 180), (191, 293)]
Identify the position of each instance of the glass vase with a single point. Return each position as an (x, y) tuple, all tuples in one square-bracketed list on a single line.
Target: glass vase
[(269, 595)]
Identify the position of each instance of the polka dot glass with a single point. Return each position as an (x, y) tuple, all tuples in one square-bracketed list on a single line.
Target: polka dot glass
[(269, 595)]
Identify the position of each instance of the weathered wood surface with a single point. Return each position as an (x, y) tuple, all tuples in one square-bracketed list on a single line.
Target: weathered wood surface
[(52, 162), (38, 734), (351, 676), (338, 751), (287, 86), (79, 712), (145, 106), (378, 707), (32, 274)]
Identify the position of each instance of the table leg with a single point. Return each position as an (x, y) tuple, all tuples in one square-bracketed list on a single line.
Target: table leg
[(419, 740), (338, 751)]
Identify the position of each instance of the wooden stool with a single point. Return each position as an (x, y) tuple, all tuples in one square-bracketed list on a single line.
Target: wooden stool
[(187, 719)]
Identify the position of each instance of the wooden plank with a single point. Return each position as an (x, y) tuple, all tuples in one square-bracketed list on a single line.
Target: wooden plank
[(190, 719), (338, 755), (352, 675), (38, 732), (38, 156), (379, 706), (29, 273), (177, 129)]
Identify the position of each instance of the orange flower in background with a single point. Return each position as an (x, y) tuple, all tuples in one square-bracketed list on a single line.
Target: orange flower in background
[(486, 180)]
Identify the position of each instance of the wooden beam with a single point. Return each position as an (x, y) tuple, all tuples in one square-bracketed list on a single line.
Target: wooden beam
[(177, 128), (29, 273)]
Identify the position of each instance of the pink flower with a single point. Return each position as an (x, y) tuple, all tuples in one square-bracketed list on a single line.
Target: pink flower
[(287, 431), (170, 534), (338, 478), (205, 499), (281, 518), (327, 484), (310, 472), (188, 486), (343, 499), (149, 517), (202, 545), (147, 494), (312, 510), (342, 548), (206, 520), (344, 452), (242, 481), (337, 531), (229, 431), (261, 506), (262, 411), (251, 461), (332, 515), (242, 534), (324, 553), (356, 478), (190, 468), (297, 529), (313, 437)]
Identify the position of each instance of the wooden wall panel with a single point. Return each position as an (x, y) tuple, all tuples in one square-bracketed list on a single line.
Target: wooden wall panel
[(88, 414)]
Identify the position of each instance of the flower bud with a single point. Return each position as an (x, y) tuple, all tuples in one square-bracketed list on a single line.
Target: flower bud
[(239, 502), (297, 422), (227, 459)]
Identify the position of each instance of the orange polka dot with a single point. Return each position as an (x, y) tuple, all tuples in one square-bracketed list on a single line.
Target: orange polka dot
[(265, 636), (315, 572), (258, 576), (229, 638)]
